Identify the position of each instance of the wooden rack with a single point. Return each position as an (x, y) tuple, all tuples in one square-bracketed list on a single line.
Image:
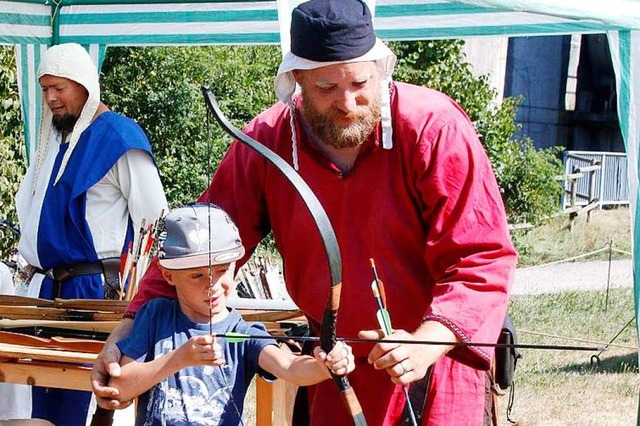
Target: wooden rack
[(57, 362)]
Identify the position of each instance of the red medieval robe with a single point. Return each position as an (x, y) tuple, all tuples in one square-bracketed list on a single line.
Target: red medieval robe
[(428, 211)]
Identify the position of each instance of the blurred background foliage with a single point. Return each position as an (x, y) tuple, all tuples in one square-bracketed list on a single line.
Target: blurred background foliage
[(12, 148), (160, 87)]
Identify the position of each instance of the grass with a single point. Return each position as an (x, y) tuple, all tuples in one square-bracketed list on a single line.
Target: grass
[(564, 387), (553, 241)]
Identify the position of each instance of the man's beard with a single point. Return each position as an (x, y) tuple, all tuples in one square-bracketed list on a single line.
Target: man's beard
[(324, 126), (64, 123)]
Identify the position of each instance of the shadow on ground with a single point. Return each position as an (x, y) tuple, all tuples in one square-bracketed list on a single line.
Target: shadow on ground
[(615, 364)]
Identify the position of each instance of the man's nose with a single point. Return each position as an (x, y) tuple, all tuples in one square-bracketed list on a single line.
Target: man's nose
[(50, 96), (346, 101)]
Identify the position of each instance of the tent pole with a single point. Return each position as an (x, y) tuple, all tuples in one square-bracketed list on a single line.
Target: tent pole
[(55, 23)]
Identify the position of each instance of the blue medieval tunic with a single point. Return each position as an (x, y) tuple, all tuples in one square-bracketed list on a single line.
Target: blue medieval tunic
[(64, 237)]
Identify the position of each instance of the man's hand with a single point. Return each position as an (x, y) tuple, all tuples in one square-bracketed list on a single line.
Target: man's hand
[(408, 363), (106, 366)]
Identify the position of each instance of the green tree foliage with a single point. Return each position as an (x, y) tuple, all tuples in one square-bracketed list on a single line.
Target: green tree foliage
[(12, 153), (161, 89), (526, 175)]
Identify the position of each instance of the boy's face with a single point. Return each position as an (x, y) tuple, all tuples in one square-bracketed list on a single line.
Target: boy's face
[(199, 300)]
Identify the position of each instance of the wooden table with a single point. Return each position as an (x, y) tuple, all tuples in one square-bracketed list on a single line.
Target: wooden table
[(67, 369), (72, 370), (45, 367)]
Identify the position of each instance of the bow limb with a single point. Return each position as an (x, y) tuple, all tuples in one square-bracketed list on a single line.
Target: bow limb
[(328, 328), (327, 342), (66, 343)]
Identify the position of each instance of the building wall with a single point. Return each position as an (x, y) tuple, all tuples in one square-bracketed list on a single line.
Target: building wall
[(594, 123), (536, 71), (488, 56), (564, 105)]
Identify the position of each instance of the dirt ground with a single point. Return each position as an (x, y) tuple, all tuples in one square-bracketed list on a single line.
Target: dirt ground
[(595, 275)]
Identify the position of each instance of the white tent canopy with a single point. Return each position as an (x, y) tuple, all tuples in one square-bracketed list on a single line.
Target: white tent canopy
[(148, 22), (99, 23), (28, 24)]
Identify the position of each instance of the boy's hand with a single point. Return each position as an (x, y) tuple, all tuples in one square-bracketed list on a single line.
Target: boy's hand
[(340, 360), (201, 350)]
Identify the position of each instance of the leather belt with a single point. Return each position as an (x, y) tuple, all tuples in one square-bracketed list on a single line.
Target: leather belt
[(109, 268), (64, 272)]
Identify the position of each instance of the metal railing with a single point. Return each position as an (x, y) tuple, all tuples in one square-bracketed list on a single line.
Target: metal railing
[(610, 185)]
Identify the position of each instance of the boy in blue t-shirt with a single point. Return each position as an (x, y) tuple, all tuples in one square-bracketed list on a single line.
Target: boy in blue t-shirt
[(183, 374)]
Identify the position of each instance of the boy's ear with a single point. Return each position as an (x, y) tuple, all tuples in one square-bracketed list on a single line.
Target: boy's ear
[(166, 274)]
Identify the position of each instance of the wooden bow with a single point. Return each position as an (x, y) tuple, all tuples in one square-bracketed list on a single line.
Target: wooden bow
[(328, 327)]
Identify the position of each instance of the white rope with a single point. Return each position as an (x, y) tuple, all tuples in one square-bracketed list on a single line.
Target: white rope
[(569, 259)]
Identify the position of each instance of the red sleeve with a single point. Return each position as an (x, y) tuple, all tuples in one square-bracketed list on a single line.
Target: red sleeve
[(151, 286), (238, 187), (468, 246)]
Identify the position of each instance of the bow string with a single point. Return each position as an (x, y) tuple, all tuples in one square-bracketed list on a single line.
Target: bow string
[(330, 242)]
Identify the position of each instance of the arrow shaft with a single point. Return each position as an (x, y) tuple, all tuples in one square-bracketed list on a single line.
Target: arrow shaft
[(235, 338), (384, 320)]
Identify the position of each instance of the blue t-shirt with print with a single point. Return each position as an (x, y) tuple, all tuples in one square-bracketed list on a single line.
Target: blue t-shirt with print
[(201, 395)]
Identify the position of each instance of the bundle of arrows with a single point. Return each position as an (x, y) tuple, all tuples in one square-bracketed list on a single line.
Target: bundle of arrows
[(260, 278), (136, 260)]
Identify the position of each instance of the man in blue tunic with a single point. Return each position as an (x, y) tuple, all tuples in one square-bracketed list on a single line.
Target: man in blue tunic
[(92, 181)]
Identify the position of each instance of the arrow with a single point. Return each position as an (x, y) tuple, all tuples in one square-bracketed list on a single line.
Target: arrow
[(384, 321), (382, 315), (233, 337)]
